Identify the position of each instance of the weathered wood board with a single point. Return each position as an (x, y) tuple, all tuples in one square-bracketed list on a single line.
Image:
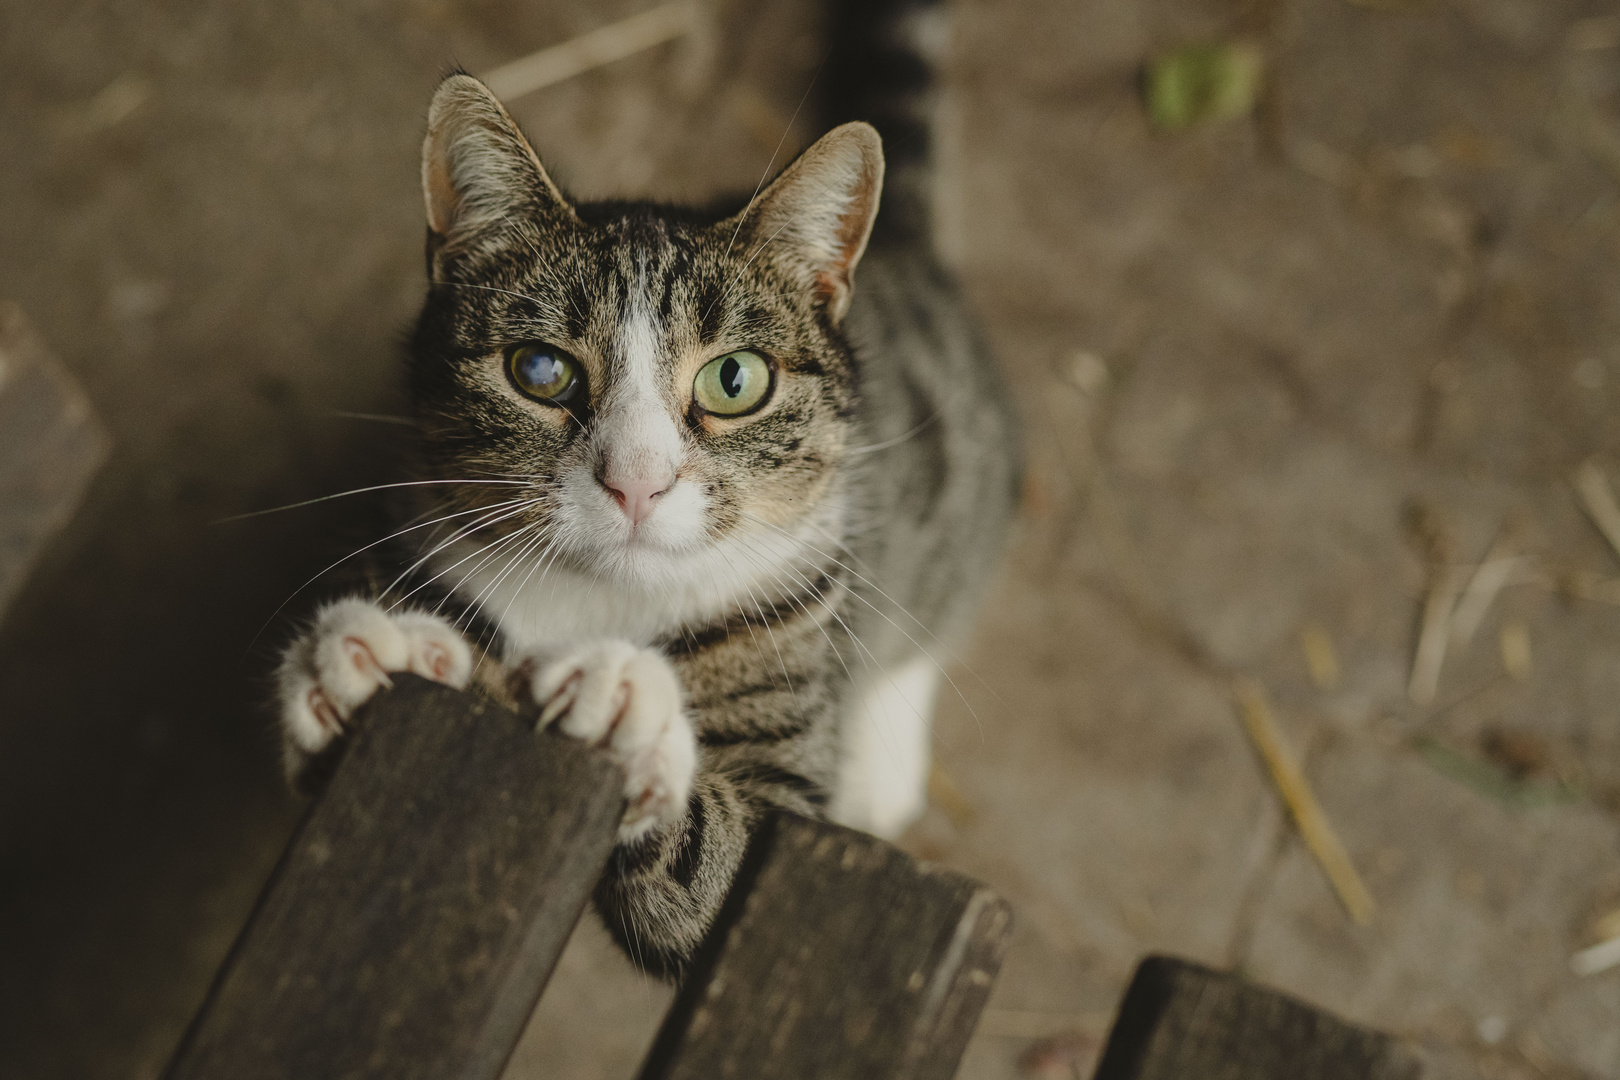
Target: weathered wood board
[(838, 955), (51, 444), (1181, 1020), (417, 914)]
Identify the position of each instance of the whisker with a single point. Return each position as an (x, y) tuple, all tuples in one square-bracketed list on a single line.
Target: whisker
[(380, 418), (862, 578), (810, 588), (536, 539), (464, 621), (459, 534), (488, 552), (496, 514), (737, 277), (747, 623), (489, 288), (358, 551), (547, 553), (870, 660), (902, 609), (356, 491), (766, 175), (897, 440), (771, 634)]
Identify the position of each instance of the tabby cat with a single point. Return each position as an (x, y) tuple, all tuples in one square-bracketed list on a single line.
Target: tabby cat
[(693, 497)]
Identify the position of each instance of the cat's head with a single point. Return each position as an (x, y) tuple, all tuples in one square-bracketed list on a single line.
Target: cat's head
[(669, 390)]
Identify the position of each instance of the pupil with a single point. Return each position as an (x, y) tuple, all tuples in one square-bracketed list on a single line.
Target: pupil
[(542, 369), (730, 377)]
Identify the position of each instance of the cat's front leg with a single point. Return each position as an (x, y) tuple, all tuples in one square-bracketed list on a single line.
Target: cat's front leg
[(626, 700), (347, 656)]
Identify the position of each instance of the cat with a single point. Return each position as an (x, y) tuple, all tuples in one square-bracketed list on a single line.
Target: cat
[(691, 495)]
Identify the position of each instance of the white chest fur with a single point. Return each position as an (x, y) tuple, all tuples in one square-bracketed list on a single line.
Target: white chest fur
[(548, 603)]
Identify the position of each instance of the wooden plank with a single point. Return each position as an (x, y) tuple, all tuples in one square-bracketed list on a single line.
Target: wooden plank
[(837, 955), (50, 446), (418, 912), (1180, 1020)]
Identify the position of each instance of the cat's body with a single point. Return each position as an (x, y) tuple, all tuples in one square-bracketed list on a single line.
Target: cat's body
[(715, 510)]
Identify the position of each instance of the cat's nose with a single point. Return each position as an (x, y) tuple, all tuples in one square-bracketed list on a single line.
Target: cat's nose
[(635, 496)]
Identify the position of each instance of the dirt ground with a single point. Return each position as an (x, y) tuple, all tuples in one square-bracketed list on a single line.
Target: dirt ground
[(1280, 377)]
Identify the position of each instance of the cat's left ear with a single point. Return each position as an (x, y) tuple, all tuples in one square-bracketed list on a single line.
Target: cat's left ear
[(478, 171), (817, 216)]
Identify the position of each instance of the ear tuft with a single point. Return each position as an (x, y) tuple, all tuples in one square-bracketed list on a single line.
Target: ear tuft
[(818, 214), (477, 168)]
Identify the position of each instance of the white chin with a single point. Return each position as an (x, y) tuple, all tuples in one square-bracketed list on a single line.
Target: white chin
[(641, 558), (666, 541)]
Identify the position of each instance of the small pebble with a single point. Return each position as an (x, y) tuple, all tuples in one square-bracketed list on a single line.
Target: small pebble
[(1519, 754), (1064, 1056), (1087, 372)]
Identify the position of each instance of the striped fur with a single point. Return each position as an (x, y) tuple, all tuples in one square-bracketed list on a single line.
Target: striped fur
[(837, 535)]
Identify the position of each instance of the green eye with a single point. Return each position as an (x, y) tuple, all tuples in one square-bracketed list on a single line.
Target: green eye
[(733, 384), (544, 372)]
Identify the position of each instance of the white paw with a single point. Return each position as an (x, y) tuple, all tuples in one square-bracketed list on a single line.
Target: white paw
[(626, 700), (883, 779), (347, 656)]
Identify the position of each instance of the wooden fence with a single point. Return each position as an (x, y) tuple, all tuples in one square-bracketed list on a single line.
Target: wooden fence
[(419, 910), (51, 444), (417, 914)]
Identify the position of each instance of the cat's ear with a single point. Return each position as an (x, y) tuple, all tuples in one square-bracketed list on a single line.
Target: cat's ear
[(478, 171), (818, 214)]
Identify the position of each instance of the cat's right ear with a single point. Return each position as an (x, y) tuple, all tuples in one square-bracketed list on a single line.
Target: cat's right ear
[(819, 212), (478, 171)]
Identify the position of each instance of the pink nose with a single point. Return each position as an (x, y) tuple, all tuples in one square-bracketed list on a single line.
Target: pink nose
[(636, 496)]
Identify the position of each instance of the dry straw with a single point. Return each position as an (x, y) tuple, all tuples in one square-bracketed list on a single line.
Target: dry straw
[(603, 45), (1296, 794)]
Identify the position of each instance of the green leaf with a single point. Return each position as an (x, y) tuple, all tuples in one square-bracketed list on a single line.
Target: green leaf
[(1202, 82), (1486, 779)]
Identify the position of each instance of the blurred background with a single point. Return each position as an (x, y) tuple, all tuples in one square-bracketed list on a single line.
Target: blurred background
[(1308, 365)]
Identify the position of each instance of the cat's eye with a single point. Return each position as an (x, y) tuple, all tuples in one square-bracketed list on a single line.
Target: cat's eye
[(545, 373), (733, 384)]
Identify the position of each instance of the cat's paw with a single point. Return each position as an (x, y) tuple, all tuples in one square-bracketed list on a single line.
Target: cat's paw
[(626, 700), (347, 656)]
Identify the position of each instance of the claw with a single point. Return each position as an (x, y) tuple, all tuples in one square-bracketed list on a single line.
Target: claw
[(561, 701), (348, 656), (365, 661), (626, 701), (438, 662), (326, 713)]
